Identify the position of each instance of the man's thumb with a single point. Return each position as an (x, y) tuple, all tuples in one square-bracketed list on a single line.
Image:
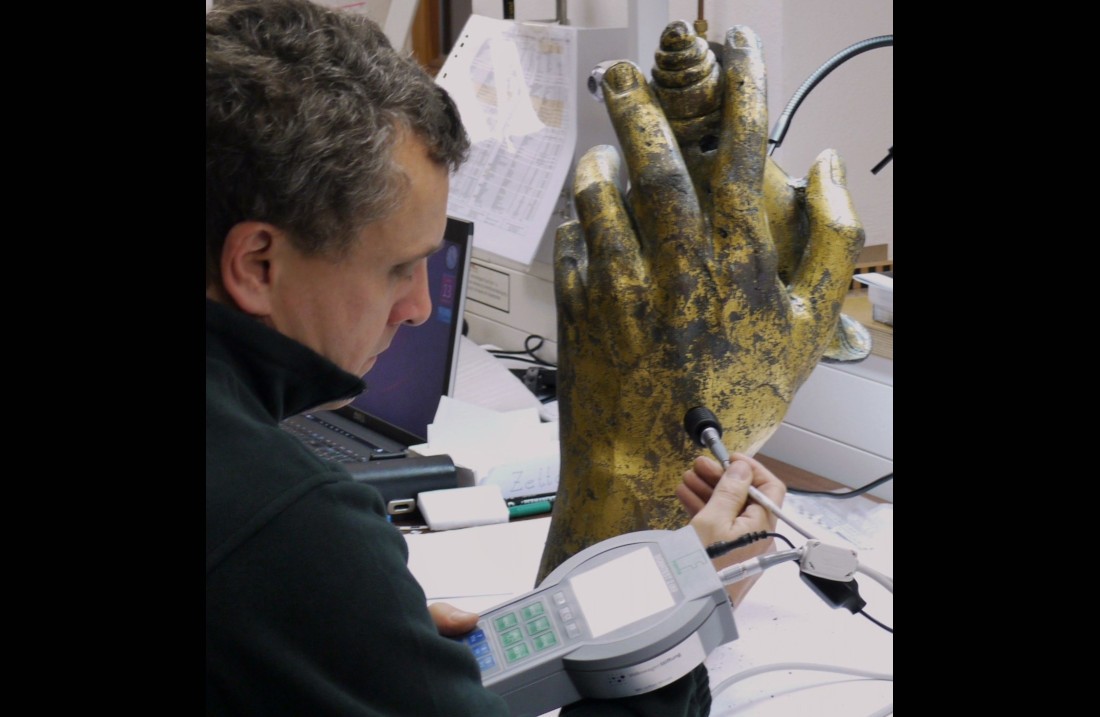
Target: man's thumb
[(732, 490)]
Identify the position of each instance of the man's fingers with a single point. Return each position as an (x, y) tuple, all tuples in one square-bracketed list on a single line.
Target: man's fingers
[(708, 469), (763, 479), (729, 495), (689, 499), (756, 517), (698, 486), (451, 621)]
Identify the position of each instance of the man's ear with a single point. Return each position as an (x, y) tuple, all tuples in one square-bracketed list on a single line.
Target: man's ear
[(246, 265)]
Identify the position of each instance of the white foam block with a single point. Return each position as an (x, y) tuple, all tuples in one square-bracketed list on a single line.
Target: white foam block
[(452, 508)]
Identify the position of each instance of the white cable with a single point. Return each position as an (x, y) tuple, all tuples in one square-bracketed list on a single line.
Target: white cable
[(775, 667), (755, 566), (770, 505), (713, 441), (886, 582)]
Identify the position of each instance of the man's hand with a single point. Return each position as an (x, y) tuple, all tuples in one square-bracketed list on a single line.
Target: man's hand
[(450, 621), (722, 510), (668, 300)]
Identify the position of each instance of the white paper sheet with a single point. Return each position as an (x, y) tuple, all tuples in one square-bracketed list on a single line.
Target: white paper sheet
[(515, 87), (477, 568)]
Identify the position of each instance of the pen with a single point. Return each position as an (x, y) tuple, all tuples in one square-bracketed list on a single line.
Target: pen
[(525, 509), (540, 498)]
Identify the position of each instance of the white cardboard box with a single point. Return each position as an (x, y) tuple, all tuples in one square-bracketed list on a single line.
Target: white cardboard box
[(880, 291)]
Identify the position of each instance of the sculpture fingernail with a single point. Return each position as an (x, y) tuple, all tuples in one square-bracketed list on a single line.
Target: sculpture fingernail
[(737, 37), (622, 77), (837, 168)]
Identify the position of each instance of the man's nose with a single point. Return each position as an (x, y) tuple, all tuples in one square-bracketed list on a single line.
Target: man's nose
[(417, 306)]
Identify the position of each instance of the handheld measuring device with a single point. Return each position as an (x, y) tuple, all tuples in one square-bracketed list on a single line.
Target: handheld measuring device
[(623, 617)]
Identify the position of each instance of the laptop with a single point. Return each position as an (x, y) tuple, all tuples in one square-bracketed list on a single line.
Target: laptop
[(407, 381)]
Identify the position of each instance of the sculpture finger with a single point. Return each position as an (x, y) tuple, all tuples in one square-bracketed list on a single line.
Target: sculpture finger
[(570, 272), (835, 240), (614, 261), (785, 220), (687, 81), (662, 197), (738, 182)]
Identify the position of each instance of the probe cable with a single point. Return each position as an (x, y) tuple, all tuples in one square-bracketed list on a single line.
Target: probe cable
[(775, 667), (755, 566)]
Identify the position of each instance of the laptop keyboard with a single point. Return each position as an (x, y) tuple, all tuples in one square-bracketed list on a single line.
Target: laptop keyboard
[(326, 449)]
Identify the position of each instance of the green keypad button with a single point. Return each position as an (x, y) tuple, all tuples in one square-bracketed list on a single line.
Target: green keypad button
[(544, 641), (506, 621), (536, 626), (511, 637), (533, 611), (516, 652)]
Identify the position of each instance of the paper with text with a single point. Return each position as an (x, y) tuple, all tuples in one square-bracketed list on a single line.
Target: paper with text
[(515, 86)]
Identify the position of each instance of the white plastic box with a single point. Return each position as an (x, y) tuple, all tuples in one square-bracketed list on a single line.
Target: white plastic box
[(880, 292)]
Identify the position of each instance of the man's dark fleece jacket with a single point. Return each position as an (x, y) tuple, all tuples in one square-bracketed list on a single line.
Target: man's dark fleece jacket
[(310, 607)]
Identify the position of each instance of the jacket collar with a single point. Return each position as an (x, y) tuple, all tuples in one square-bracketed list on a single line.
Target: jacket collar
[(286, 376)]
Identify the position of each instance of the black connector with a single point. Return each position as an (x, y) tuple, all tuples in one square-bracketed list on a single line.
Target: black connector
[(835, 592), (718, 549), (543, 382)]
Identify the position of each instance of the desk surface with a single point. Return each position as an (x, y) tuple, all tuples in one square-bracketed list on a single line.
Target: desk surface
[(780, 621), (794, 477), (783, 621)]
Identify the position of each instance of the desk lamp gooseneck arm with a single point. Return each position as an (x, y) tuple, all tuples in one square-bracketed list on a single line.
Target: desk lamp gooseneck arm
[(784, 121)]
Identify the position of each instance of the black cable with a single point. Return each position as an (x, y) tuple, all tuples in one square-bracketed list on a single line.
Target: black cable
[(527, 344), (722, 547), (528, 350), (849, 494), (885, 160), (818, 75), (887, 629), (835, 592), (783, 538), (510, 357)]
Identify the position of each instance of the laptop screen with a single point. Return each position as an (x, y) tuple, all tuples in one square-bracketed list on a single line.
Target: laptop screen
[(408, 379)]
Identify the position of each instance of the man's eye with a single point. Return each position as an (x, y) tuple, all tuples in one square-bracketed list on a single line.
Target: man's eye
[(404, 270)]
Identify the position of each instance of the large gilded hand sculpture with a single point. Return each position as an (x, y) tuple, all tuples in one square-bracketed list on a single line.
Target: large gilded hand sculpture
[(671, 297), (689, 85)]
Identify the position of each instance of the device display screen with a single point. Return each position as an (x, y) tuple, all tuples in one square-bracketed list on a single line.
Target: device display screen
[(621, 591)]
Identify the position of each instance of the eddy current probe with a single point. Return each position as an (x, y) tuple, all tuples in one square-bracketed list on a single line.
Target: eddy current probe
[(703, 427)]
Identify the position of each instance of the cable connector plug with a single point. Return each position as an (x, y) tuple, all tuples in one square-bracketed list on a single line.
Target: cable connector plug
[(715, 550), (755, 566), (829, 571), (836, 592), (828, 561)]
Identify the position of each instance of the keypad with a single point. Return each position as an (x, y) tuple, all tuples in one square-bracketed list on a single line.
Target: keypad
[(480, 647), (524, 632)]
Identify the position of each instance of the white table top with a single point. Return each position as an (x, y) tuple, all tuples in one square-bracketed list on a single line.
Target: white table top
[(780, 621)]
